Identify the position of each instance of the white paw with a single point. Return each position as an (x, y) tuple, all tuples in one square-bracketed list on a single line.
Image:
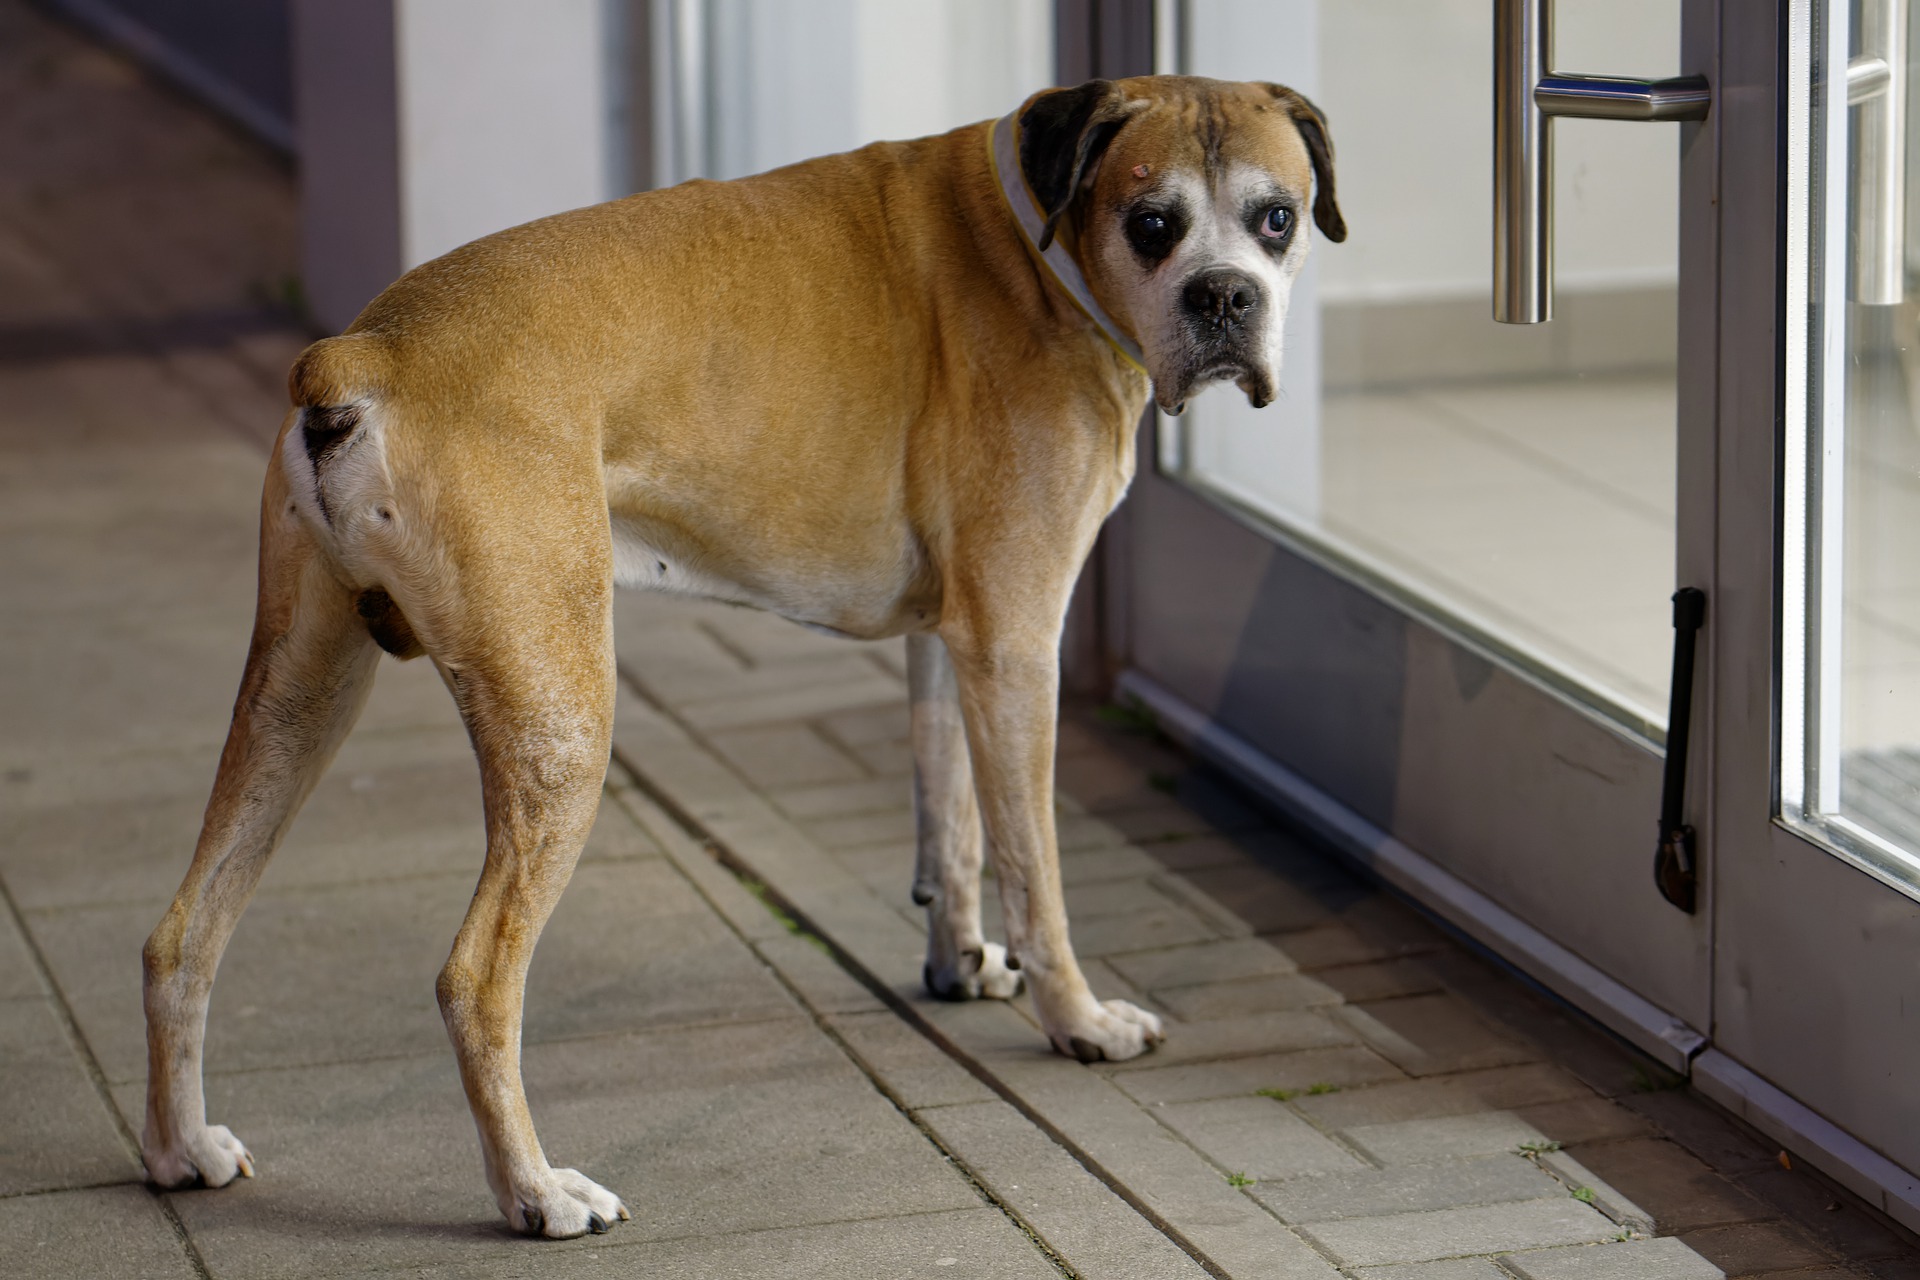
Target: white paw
[(565, 1205), (212, 1156), (1110, 1031), (997, 980), (973, 974)]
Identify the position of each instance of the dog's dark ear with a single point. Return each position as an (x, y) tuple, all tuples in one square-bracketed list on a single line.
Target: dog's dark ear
[(1063, 134), (1313, 131)]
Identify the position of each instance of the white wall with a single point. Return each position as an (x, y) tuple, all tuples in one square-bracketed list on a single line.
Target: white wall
[(424, 124), (502, 116), (782, 81)]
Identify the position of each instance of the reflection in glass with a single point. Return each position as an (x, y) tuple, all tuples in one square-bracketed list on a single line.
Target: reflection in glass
[(1513, 483), (1850, 696)]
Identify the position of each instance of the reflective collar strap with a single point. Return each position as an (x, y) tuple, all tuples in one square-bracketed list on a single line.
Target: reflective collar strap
[(1003, 145)]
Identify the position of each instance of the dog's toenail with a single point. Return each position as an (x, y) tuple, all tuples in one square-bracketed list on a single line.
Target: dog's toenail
[(1013, 961), (1085, 1050), (536, 1221), (597, 1224), (922, 896)]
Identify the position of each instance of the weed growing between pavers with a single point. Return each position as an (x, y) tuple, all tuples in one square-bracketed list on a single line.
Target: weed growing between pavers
[(1536, 1148), (1239, 1180), (1655, 1080), (759, 890)]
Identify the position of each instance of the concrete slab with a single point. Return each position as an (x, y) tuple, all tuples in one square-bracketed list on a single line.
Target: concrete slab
[(1448, 1184), (373, 1165), (1256, 1137), (1341, 1067), (55, 1131), (909, 1066), (1097, 1234), (1664, 1259), (1451, 1233), (330, 974), (98, 1232), (969, 1244)]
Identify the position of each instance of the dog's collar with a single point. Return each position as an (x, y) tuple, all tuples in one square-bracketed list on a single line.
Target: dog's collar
[(1003, 151)]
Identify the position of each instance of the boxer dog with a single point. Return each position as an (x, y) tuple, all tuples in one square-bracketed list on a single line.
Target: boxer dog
[(892, 392)]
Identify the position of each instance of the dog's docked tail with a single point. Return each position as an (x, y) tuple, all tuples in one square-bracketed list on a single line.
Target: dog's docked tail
[(335, 464)]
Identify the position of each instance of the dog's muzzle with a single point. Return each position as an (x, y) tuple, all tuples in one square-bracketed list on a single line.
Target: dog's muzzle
[(1224, 315)]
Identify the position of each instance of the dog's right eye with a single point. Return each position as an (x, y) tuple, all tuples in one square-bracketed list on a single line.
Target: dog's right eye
[(1153, 233)]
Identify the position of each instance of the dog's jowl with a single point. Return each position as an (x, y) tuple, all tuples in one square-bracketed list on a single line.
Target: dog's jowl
[(885, 393)]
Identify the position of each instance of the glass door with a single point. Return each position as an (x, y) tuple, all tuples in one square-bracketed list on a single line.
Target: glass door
[(1817, 980), (1429, 588)]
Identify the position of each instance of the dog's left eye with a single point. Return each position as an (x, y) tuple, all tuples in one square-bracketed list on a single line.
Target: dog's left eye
[(1277, 223)]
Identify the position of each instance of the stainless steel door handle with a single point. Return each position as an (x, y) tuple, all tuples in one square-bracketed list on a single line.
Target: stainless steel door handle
[(1877, 84), (1527, 95)]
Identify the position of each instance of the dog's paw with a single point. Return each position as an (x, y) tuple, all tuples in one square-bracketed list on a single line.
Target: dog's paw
[(976, 974), (211, 1156), (566, 1204), (1112, 1032)]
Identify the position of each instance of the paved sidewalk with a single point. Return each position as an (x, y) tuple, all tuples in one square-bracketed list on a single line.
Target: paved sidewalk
[(724, 1020)]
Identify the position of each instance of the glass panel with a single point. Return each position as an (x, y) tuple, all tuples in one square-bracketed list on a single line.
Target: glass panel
[(1514, 484), (1850, 700), (747, 85)]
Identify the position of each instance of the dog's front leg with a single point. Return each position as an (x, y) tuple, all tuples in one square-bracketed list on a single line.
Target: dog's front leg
[(1009, 691), (961, 963)]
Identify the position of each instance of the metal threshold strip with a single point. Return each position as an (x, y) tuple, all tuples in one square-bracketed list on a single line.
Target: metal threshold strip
[(1641, 1023)]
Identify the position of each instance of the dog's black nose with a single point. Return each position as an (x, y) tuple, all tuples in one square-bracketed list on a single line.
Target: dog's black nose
[(1222, 298)]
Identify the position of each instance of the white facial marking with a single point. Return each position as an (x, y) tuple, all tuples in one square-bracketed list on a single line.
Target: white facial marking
[(1223, 233)]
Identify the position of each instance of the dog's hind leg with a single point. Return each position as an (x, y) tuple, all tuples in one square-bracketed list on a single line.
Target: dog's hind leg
[(961, 964), (308, 670), (530, 660)]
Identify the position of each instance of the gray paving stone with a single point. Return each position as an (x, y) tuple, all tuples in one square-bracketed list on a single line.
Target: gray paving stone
[(1113, 862), (1600, 1193), (1373, 1193), (1166, 926), (783, 756), (874, 795), (1240, 1077), (1215, 1000), (891, 827), (323, 975), (101, 1233), (1251, 1036), (682, 686), (1380, 980), (797, 702), (1168, 1175), (967, 1244), (1432, 1035), (1221, 961), (54, 1129), (1679, 1191), (870, 725), (1498, 1089), (1451, 1233), (19, 976), (1419, 1141), (1452, 1269), (764, 638), (1257, 1137), (1090, 901), (1754, 1247), (816, 975), (1664, 1259), (1095, 1232), (909, 1066), (373, 1165)]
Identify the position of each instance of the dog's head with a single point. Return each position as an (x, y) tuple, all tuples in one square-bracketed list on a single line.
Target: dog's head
[(1186, 200)]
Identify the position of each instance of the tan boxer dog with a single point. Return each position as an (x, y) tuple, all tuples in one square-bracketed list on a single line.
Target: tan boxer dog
[(886, 393)]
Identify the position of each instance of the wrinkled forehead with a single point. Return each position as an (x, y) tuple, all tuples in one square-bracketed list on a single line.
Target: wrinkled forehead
[(1210, 131)]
